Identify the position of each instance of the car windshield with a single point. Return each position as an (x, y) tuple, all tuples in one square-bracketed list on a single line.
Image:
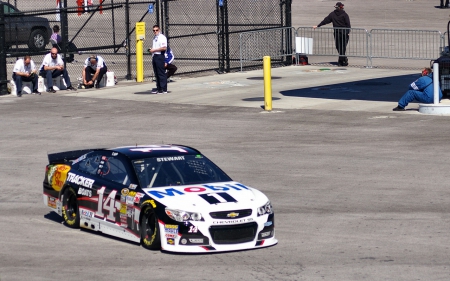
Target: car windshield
[(177, 170)]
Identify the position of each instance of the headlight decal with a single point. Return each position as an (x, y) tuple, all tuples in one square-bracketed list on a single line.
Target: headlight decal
[(182, 216), (266, 209)]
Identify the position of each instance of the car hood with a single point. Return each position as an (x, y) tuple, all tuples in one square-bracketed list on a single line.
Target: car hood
[(214, 196)]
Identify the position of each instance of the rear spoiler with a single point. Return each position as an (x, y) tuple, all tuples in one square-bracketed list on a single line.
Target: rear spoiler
[(67, 156)]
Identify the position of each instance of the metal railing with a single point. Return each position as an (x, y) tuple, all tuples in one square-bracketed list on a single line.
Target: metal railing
[(274, 42), (405, 44), (377, 43)]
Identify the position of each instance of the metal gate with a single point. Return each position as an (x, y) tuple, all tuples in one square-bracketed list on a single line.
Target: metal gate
[(204, 34)]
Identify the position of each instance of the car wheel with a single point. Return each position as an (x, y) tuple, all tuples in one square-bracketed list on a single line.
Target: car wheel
[(150, 238), (70, 210), (37, 40)]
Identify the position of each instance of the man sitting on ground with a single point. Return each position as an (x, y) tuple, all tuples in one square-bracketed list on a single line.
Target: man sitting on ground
[(93, 71), (421, 90)]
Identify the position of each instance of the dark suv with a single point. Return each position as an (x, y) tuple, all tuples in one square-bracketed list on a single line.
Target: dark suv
[(21, 29)]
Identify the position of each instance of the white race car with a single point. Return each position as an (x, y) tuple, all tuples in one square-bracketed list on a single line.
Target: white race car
[(168, 197)]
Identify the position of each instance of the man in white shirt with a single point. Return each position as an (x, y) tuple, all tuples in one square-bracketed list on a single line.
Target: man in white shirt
[(93, 71), (25, 70), (158, 50), (53, 66)]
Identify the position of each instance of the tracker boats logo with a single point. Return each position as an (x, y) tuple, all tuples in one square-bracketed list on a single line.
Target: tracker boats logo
[(80, 180)]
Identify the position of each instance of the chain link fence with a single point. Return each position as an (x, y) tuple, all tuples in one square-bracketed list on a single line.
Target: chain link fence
[(203, 34)]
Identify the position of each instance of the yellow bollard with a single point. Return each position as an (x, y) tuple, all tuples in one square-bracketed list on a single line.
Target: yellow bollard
[(140, 36), (267, 84)]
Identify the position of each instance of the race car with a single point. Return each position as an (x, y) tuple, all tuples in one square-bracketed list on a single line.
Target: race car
[(165, 197)]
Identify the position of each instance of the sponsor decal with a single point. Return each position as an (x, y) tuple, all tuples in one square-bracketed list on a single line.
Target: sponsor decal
[(57, 176), (123, 220), (171, 230), (196, 189), (132, 186), (82, 157), (130, 211), (123, 209), (85, 192), (138, 196), (196, 240), (51, 202), (269, 223), (86, 214), (125, 191), (170, 241), (80, 180), (173, 158), (115, 154), (130, 200), (265, 234), (151, 202), (159, 148), (238, 221), (183, 241)]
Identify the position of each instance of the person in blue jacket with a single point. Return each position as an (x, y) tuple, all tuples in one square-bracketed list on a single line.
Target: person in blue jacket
[(421, 90), (168, 63)]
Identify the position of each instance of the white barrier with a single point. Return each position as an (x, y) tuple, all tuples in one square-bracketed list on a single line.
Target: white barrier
[(58, 84)]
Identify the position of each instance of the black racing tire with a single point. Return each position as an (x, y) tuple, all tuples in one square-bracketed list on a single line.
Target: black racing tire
[(38, 40), (70, 210), (150, 237)]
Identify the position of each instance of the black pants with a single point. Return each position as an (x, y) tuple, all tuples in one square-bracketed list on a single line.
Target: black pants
[(18, 80), (160, 72), (341, 39), (446, 3), (171, 68), (91, 71)]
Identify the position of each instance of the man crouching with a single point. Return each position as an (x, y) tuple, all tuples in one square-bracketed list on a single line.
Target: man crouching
[(93, 71)]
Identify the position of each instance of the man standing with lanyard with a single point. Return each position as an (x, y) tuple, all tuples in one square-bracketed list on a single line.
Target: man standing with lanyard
[(158, 50)]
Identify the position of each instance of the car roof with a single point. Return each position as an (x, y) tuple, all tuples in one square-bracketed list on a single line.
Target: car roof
[(148, 151)]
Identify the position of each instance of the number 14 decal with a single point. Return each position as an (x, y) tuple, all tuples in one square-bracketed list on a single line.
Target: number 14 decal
[(109, 205), (219, 197)]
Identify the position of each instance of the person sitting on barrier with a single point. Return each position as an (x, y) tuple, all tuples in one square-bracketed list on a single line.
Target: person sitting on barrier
[(93, 71), (25, 70), (168, 63), (341, 24), (421, 90), (53, 66)]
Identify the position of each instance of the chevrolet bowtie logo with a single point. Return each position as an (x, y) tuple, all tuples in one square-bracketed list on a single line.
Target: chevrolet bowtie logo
[(232, 215)]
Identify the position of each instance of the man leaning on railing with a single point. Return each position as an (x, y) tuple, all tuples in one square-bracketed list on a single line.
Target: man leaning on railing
[(340, 19)]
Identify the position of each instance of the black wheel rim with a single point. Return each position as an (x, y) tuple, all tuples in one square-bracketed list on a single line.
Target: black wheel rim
[(149, 224), (72, 206)]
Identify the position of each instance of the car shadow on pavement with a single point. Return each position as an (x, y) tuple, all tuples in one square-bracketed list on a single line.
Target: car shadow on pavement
[(389, 89), (53, 216)]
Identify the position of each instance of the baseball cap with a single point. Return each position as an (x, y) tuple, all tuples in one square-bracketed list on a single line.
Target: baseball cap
[(338, 4)]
